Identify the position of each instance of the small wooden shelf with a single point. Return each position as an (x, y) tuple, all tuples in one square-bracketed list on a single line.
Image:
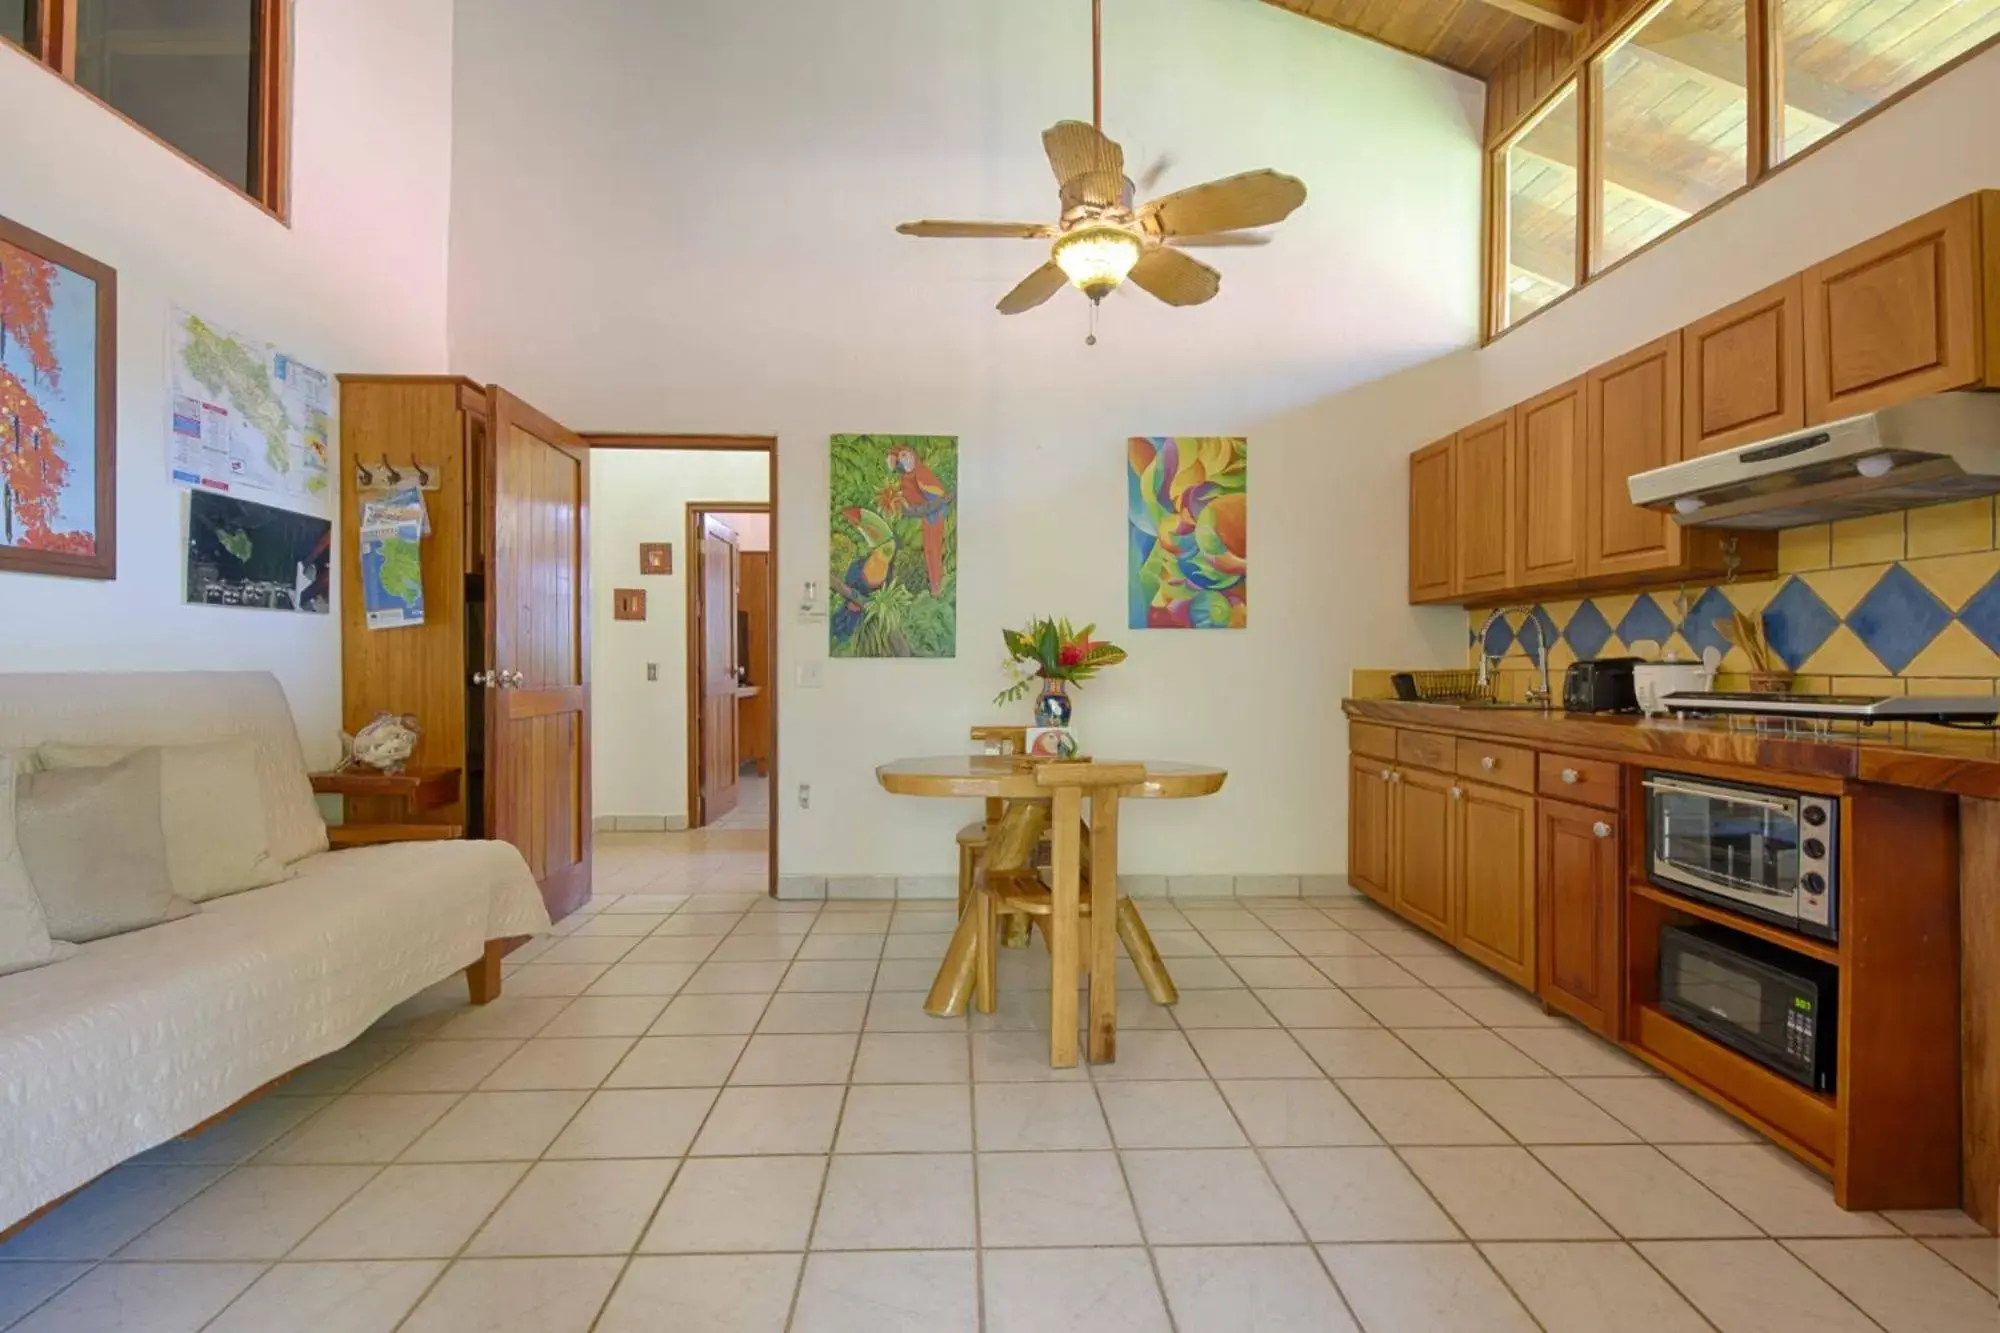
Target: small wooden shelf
[(1805, 1122), (423, 788), (1722, 916)]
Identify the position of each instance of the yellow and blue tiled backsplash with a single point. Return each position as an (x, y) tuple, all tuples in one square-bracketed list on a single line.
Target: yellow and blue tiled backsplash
[(1897, 603)]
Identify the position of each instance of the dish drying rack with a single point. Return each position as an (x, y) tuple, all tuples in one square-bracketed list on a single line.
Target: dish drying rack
[(1442, 687)]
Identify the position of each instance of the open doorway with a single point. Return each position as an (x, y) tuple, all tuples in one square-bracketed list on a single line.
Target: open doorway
[(730, 632), (683, 655)]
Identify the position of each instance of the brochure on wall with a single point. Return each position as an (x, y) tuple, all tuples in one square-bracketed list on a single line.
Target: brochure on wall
[(243, 416), (392, 575)]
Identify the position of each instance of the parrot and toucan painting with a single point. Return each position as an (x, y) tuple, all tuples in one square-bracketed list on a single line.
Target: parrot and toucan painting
[(893, 553)]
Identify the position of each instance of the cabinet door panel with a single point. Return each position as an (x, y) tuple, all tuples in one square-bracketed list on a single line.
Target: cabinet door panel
[(1431, 523), (1894, 319), (1422, 858), (1577, 880), (1493, 848), (1484, 505), (1634, 406), (1368, 827), (1549, 481), (1743, 371)]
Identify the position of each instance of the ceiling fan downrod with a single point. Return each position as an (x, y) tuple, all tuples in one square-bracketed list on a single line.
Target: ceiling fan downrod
[(1097, 65)]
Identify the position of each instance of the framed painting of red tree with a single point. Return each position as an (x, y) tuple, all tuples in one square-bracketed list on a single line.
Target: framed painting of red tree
[(58, 409)]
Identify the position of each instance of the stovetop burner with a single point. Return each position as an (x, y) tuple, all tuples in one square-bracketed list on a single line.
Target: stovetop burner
[(1963, 710)]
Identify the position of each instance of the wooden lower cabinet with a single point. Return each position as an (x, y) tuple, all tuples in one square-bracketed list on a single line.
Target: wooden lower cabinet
[(1422, 817), (1368, 827), (1493, 879), (1578, 867)]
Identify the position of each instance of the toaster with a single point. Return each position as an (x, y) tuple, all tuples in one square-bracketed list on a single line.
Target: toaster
[(1600, 685)]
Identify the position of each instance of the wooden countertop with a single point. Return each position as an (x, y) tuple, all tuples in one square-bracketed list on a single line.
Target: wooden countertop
[(1897, 754)]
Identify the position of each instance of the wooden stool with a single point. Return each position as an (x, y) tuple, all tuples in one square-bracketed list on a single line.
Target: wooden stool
[(973, 838)]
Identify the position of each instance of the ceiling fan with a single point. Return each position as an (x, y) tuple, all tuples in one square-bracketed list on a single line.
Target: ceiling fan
[(1101, 239)]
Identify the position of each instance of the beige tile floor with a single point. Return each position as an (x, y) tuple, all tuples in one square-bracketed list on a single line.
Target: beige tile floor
[(702, 1111)]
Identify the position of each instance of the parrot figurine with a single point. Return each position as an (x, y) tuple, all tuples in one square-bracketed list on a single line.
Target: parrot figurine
[(869, 571), (914, 489)]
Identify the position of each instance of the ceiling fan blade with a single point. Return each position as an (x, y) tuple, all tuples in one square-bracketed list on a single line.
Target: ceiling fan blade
[(1219, 239), (1034, 289), (1175, 278), (1253, 199), (1026, 231), (1089, 168)]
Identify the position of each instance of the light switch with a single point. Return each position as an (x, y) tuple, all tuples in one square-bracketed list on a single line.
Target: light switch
[(809, 675), (652, 671)]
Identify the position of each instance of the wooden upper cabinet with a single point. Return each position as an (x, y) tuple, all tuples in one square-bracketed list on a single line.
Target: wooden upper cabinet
[(1431, 523), (1744, 371), (1897, 317), (1549, 482), (1484, 505), (1634, 406)]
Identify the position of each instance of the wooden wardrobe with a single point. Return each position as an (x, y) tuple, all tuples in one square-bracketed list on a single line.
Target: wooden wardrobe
[(498, 672)]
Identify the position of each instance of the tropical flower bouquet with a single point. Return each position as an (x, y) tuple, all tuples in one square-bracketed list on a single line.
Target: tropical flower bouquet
[(1050, 651)]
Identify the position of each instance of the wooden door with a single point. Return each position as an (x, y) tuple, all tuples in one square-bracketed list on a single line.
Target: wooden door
[(1743, 372), (1484, 506), (1368, 827), (1895, 318), (1493, 875), (753, 607), (1431, 527), (1577, 850), (1549, 480), (1420, 872), (716, 656), (538, 641), (1634, 425)]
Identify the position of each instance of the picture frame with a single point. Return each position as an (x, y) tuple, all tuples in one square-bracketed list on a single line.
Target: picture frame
[(656, 557), (60, 370)]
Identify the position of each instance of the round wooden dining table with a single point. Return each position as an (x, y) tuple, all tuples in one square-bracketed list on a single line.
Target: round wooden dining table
[(1014, 778)]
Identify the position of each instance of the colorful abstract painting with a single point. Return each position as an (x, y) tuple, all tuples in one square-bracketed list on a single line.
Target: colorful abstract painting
[(1187, 528), (55, 413), (892, 587)]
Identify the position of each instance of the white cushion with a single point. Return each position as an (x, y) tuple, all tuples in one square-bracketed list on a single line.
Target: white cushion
[(176, 708), (140, 1037), (91, 840), (24, 931), (210, 811)]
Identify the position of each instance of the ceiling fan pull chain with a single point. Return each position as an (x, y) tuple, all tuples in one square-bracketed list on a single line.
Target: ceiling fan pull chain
[(1091, 340)]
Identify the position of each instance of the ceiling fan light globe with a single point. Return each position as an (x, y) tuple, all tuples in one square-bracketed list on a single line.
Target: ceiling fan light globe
[(1096, 258)]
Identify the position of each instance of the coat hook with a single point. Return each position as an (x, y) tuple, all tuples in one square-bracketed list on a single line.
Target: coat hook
[(389, 471), (423, 476), (364, 477)]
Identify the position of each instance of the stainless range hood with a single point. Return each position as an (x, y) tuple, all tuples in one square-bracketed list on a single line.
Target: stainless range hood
[(1945, 447)]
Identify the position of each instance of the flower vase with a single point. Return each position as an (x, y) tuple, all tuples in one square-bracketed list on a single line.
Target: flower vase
[(1052, 707)]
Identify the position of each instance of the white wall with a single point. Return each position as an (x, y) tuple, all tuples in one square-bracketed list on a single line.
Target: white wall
[(357, 282), (638, 758), (753, 530), (716, 184)]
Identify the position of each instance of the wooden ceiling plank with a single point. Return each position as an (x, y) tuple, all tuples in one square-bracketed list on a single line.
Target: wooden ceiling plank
[(1567, 16), (1719, 62)]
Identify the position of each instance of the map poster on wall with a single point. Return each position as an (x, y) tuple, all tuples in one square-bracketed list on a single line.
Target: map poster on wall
[(241, 553), (243, 417), (392, 573)]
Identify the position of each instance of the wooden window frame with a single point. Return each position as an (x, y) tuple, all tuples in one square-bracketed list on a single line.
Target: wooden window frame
[(1765, 79), (53, 47)]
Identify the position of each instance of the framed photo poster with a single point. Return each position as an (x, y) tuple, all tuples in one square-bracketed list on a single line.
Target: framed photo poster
[(58, 408)]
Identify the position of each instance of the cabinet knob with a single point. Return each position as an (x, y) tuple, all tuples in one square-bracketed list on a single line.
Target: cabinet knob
[(1387, 776), (1571, 777), (1395, 777), (1458, 793), (1601, 829), (1488, 762)]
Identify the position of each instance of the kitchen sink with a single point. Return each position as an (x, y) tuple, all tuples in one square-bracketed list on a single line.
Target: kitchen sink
[(1484, 705)]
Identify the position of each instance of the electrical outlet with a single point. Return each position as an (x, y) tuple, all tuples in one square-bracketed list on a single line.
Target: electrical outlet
[(652, 671), (805, 796)]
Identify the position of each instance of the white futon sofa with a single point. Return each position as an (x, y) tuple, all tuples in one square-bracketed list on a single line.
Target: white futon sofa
[(138, 1038)]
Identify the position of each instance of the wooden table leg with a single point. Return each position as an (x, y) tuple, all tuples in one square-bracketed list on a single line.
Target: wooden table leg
[(1103, 925), (1062, 927), (953, 986), (1139, 943)]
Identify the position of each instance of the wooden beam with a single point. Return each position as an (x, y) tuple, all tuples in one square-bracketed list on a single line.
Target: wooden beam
[(1541, 263), (1720, 63), (1563, 15), (1644, 183)]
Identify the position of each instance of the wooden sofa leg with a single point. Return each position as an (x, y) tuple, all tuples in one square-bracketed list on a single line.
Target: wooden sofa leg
[(482, 979)]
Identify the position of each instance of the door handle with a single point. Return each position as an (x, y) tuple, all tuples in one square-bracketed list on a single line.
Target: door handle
[(511, 679), (1601, 829), (487, 678)]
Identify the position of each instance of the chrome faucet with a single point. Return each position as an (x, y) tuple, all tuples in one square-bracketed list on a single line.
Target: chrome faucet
[(1541, 695)]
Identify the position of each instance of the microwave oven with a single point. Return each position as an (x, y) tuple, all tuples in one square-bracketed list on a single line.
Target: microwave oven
[(1779, 1008), (1770, 854)]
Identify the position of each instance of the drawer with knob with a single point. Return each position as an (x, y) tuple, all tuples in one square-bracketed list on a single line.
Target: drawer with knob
[(1584, 781), (1501, 765), (1424, 749), (1375, 741)]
